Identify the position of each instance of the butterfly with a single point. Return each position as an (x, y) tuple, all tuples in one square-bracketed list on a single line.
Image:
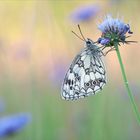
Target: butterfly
[(86, 75)]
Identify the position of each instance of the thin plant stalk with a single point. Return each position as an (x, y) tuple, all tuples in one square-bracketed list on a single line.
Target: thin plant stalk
[(134, 106)]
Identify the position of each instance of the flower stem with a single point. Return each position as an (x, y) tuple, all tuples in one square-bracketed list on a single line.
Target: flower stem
[(127, 85)]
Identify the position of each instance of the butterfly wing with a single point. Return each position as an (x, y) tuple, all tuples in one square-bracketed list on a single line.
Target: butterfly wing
[(85, 76)]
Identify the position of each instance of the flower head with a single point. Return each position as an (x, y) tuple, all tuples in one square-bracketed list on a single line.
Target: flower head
[(84, 13), (113, 30), (12, 124)]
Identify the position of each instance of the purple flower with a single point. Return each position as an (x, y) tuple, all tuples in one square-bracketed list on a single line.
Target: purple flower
[(114, 30), (104, 41), (110, 25), (84, 13), (14, 123)]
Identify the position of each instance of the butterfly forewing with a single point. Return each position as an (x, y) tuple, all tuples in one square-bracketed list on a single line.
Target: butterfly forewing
[(85, 76)]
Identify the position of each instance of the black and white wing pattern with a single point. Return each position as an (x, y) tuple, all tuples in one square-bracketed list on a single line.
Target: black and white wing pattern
[(85, 77)]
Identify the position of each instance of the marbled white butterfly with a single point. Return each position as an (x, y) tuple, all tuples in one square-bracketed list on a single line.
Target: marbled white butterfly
[(86, 74)]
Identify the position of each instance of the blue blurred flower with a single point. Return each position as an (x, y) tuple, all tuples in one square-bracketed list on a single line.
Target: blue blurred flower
[(14, 123), (84, 13), (114, 29)]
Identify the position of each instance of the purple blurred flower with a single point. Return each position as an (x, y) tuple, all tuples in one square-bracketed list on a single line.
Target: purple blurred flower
[(22, 53), (21, 50), (14, 123), (84, 13), (114, 29), (57, 73)]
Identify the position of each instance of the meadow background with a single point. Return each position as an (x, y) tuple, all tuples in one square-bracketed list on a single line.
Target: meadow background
[(36, 49)]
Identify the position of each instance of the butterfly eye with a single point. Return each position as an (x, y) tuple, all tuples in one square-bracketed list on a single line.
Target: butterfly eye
[(88, 42)]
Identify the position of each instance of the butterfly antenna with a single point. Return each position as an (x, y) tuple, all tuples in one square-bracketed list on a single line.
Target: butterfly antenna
[(77, 35), (81, 32)]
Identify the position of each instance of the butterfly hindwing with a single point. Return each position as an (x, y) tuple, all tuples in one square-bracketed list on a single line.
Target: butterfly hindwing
[(85, 76)]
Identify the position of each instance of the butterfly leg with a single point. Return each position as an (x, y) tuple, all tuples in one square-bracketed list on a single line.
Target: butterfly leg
[(112, 49)]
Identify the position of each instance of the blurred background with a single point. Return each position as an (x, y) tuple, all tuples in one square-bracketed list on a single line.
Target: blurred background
[(36, 49)]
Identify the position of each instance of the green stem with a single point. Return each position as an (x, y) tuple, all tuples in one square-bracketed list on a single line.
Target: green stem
[(127, 85)]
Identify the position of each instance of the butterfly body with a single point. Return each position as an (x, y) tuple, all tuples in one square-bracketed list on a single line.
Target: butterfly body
[(86, 74)]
